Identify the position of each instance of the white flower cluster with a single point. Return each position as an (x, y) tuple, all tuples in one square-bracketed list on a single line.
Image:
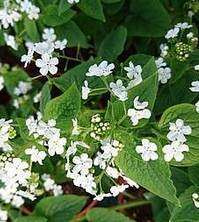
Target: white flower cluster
[(173, 33), (117, 88), (50, 185), (139, 111), (21, 92), (6, 132), (195, 198), (164, 72), (82, 169), (13, 10), (47, 134), (15, 175), (147, 150), (47, 63), (99, 128), (181, 41), (3, 215), (176, 135)]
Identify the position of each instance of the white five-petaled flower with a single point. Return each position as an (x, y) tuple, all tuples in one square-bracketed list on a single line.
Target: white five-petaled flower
[(175, 150), (1, 83), (60, 44), (56, 145), (194, 86), (119, 90), (139, 111), (147, 150), (103, 69), (172, 33), (82, 164), (85, 90), (49, 34), (164, 72), (178, 131), (36, 155), (47, 64)]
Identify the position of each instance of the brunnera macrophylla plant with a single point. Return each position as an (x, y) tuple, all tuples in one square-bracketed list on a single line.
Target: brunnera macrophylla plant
[(99, 103)]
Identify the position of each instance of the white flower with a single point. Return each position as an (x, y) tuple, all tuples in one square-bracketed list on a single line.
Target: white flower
[(196, 67), (1, 83), (22, 88), (44, 48), (103, 69), (33, 12), (36, 155), (47, 64), (37, 97), (115, 190), (101, 196), (172, 33), (85, 90), (75, 130), (139, 112), (112, 172), (28, 58), (175, 150), (160, 62), (195, 86), (73, 1), (195, 198), (82, 164), (178, 131), (147, 150), (3, 215), (119, 90), (60, 44), (190, 35), (164, 74), (164, 50), (10, 41), (49, 34), (197, 107), (56, 145), (183, 25)]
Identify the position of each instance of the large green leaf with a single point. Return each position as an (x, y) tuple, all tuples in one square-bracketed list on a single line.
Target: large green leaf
[(92, 8), (45, 96), (193, 173), (113, 44), (188, 212), (106, 215), (65, 107), (153, 175), (148, 19), (186, 112), (61, 208)]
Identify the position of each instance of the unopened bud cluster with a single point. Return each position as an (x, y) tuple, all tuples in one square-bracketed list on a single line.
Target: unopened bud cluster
[(99, 127)]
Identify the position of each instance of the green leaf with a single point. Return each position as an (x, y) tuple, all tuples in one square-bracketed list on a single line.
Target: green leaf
[(193, 173), (64, 107), (31, 219), (186, 112), (61, 208), (148, 19), (77, 75), (188, 212), (106, 215), (153, 175), (31, 29), (113, 44), (51, 16), (45, 96), (73, 34), (92, 8)]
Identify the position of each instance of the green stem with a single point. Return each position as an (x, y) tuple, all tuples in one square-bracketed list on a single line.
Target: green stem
[(69, 58), (132, 204)]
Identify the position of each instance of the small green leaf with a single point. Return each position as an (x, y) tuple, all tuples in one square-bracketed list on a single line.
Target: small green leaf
[(31, 29), (61, 208)]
